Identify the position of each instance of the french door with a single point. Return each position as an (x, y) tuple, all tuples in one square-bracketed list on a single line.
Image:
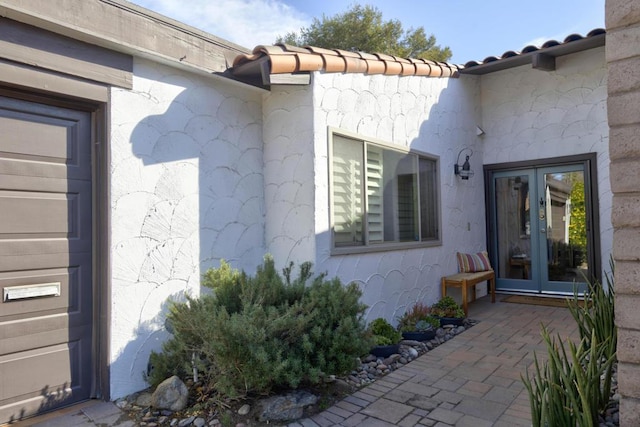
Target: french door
[(541, 232)]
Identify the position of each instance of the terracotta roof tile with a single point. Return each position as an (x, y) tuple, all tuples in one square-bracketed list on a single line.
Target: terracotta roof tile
[(293, 59), (392, 68), (355, 65), (561, 47), (334, 64), (286, 59), (374, 66)]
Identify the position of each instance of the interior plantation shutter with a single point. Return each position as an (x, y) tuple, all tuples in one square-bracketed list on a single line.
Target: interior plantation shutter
[(348, 200), (375, 202)]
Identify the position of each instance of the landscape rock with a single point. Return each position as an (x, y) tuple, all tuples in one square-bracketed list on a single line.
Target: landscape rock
[(186, 421), (244, 409), (171, 394), (286, 407), (143, 400)]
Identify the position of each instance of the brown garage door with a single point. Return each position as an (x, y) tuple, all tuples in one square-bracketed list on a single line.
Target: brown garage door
[(45, 257)]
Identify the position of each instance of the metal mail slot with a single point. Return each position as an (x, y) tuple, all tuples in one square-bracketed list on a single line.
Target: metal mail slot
[(32, 291)]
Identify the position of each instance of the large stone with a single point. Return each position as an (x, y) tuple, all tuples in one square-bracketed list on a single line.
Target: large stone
[(171, 394), (143, 400), (286, 407)]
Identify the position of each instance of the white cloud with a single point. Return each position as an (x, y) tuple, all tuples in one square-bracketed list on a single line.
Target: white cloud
[(245, 22)]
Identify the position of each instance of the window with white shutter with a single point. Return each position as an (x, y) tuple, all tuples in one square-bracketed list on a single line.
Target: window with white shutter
[(382, 198)]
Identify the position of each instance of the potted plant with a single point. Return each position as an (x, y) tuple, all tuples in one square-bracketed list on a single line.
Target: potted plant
[(386, 338), (417, 324), (449, 312)]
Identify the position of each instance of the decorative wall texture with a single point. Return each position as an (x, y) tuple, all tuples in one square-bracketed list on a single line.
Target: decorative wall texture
[(435, 116), (187, 190)]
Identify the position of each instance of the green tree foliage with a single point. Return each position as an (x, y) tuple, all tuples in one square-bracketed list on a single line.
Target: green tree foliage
[(256, 333), (362, 28), (578, 225)]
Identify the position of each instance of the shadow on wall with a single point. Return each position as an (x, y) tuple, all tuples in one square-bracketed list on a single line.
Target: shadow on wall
[(435, 117), (149, 334), (187, 191)]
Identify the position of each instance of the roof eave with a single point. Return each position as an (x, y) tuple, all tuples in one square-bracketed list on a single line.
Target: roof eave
[(531, 57), (258, 73)]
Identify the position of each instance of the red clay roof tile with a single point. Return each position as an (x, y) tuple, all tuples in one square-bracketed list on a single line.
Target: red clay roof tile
[(293, 59), (283, 58)]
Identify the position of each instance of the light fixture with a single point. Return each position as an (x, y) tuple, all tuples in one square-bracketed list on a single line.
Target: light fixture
[(463, 171)]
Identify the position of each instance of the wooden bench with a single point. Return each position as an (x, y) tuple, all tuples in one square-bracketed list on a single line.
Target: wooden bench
[(466, 280)]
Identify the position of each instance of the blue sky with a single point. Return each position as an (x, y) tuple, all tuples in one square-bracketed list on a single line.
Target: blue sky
[(473, 29)]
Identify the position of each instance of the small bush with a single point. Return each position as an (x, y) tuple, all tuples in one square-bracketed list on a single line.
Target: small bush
[(447, 307), (427, 324), (383, 332), (257, 333), (407, 322)]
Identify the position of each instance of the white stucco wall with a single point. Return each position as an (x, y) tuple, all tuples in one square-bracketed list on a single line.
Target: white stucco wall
[(432, 115), (289, 174), (531, 114), (186, 191), (437, 116)]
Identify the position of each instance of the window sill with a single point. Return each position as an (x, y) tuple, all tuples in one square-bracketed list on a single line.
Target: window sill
[(384, 247)]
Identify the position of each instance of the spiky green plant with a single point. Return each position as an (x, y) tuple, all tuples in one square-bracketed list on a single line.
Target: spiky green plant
[(566, 389), (571, 389), (595, 316)]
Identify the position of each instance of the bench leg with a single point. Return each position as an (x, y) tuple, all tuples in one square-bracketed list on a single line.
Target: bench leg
[(464, 297), (444, 287)]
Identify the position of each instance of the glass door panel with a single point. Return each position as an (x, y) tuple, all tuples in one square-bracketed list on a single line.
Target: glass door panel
[(514, 245), (563, 220)]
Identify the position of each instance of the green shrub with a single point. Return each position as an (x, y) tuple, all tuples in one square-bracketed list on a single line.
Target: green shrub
[(383, 333), (257, 333), (447, 307)]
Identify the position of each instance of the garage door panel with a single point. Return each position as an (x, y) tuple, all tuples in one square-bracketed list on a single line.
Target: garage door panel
[(59, 333), (18, 260), (40, 215), (46, 312), (46, 135), (70, 300), (61, 364), (32, 171)]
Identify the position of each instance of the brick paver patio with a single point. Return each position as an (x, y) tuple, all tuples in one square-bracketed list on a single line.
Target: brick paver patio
[(472, 380)]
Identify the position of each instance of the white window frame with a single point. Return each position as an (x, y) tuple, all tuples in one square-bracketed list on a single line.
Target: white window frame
[(387, 246)]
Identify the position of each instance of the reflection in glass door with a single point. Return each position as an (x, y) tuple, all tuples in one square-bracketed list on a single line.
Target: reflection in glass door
[(540, 229), (563, 228)]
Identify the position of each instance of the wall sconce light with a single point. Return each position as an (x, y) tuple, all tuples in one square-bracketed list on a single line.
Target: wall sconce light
[(463, 171)]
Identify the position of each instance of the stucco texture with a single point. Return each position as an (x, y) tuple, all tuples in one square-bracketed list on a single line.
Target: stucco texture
[(186, 191), (431, 115)]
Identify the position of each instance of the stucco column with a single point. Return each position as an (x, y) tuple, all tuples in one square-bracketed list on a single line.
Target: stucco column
[(623, 59)]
